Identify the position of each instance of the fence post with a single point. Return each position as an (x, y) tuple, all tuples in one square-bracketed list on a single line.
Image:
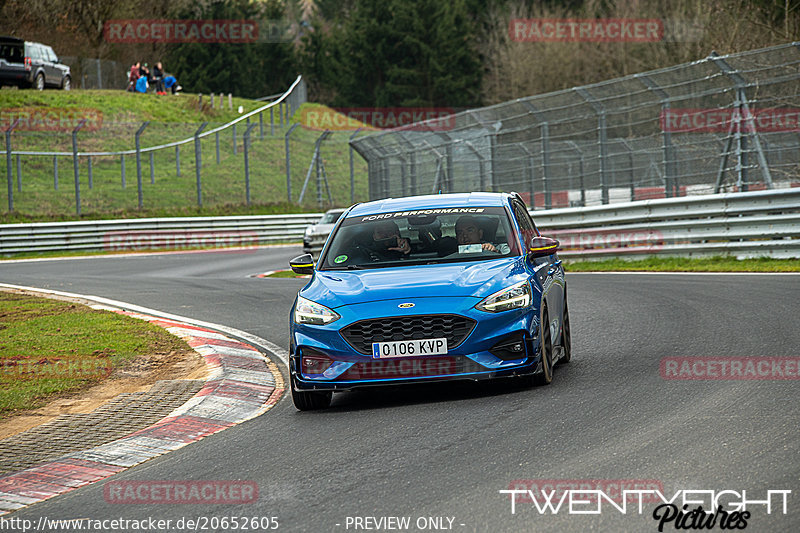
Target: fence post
[(261, 125), (481, 164), (580, 171), (247, 161), (212, 100), (230, 102), (139, 161), (178, 160), (55, 172), (280, 112), (352, 171), (288, 159), (670, 176), (747, 115), (216, 140), (122, 168), (19, 174), (234, 139), (89, 161), (75, 165), (272, 121), (8, 165), (152, 169), (198, 163), (602, 139)]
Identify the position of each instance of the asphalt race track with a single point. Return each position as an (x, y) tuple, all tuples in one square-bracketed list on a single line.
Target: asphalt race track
[(444, 452)]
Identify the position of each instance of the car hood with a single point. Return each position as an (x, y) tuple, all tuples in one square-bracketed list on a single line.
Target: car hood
[(334, 288)]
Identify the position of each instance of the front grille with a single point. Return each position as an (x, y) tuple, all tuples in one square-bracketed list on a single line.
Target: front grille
[(361, 335)]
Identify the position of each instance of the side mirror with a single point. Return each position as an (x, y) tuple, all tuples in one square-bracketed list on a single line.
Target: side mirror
[(542, 247), (303, 264)]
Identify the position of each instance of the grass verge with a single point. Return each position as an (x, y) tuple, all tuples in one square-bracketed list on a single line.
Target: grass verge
[(45, 185), (682, 264), (49, 348)]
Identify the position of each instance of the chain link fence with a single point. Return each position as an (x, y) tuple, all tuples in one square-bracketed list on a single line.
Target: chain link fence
[(261, 157), (721, 124), (91, 73)]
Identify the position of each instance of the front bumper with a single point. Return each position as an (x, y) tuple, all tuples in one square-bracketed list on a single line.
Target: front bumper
[(336, 365)]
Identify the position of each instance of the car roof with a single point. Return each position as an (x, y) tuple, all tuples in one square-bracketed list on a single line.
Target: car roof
[(431, 201)]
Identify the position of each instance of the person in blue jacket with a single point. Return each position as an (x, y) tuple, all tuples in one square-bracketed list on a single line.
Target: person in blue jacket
[(141, 84)]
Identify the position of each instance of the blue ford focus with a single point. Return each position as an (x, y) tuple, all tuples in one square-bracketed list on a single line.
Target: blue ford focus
[(428, 288)]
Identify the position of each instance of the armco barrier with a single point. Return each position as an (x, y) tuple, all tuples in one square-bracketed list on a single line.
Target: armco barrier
[(154, 233), (751, 224)]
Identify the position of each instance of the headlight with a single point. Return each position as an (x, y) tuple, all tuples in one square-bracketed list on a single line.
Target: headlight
[(308, 312), (514, 297)]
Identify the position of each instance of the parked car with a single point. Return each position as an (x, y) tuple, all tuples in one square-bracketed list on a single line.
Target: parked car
[(27, 64), (315, 234), (428, 288)]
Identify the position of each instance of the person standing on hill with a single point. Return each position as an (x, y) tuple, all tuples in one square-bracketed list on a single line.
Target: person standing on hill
[(158, 78)]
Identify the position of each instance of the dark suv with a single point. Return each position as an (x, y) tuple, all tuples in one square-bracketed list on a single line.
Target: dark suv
[(27, 64)]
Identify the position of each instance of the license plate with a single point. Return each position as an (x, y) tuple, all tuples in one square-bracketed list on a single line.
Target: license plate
[(412, 348)]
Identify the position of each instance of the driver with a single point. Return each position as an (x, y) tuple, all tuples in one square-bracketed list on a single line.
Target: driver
[(387, 242), (468, 231)]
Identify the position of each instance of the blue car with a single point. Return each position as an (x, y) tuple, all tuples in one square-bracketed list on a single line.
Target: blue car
[(428, 288)]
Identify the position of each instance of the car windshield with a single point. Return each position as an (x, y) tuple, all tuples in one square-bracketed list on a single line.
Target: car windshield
[(330, 218), (421, 237)]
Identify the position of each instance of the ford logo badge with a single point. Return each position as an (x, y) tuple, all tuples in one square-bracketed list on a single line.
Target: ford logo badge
[(405, 306)]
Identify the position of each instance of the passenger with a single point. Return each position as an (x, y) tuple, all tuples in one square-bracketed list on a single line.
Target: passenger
[(469, 231)]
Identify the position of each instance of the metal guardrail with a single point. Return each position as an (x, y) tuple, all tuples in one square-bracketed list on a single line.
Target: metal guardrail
[(154, 233), (760, 223), (753, 224)]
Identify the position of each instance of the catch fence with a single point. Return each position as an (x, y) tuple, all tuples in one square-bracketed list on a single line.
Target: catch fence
[(721, 124)]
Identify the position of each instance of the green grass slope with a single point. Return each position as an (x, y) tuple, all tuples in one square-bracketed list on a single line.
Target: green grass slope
[(172, 118)]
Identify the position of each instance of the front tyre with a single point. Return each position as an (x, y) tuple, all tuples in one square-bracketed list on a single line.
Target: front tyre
[(545, 377), (311, 400)]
